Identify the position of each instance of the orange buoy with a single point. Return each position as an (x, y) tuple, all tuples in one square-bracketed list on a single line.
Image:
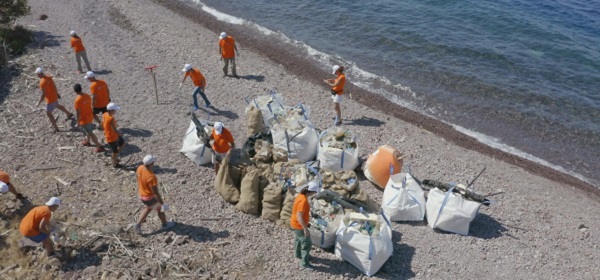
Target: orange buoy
[(381, 162)]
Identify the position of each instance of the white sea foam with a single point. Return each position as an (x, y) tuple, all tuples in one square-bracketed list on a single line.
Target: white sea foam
[(497, 144), (219, 15)]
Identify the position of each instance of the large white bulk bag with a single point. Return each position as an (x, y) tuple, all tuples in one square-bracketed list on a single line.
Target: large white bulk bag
[(299, 139), (323, 235), (450, 211), (403, 199), (337, 155), (366, 252), (194, 148), (270, 106)]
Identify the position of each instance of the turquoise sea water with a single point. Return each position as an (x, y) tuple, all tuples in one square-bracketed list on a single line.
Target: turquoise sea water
[(524, 75)]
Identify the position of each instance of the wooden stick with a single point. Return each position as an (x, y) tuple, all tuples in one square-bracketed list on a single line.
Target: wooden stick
[(76, 163), (45, 168), (155, 88), (214, 219), (57, 189), (65, 183)]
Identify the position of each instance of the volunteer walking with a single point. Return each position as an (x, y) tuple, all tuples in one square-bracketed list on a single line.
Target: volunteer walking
[(85, 118), (337, 90), (299, 224), (113, 136), (148, 191), (77, 45), (199, 83), (100, 95), (50, 94), (228, 51), (222, 144)]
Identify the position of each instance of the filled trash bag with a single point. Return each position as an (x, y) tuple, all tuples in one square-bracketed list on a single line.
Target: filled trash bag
[(365, 241), (337, 150), (249, 192), (270, 106), (403, 199), (383, 162), (225, 182), (450, 211), (254, 121), (194, 147)]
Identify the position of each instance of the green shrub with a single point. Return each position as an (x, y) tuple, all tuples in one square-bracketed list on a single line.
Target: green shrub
[(13, 39)]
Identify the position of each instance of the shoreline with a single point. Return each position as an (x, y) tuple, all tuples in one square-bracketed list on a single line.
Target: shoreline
[(310, 71)]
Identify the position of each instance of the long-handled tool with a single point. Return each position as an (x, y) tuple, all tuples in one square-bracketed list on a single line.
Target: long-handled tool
[(151, 70)]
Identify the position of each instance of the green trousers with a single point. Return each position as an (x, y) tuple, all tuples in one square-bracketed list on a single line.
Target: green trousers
[(302, 245)]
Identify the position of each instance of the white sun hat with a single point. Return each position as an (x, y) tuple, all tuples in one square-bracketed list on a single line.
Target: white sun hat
[(3, 187), (89, 74), (335, 68), (112, 106), (218, 128), (186, 67), (53, 201), (223, 35), (73, 33), (149, 159), (39, 70)]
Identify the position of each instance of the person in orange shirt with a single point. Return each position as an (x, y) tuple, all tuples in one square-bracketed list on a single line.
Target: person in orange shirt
[(148, 190), (6, 186), (36, 224), (222, 144), (199, 83), (77, 45), (337, 89), (50, 94), (228, 51), (85, 118), (113, 136), (299, 223), (100, 95)]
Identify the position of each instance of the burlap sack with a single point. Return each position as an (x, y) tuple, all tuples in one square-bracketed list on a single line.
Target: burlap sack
[(327, 178), (280, 155), (225, 184), (362, 196), (255, 124), (271, 202), (249, 192), (264, 151), (286, 210), (347, 179)]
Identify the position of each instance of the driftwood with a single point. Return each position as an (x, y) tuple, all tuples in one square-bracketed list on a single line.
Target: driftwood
[(65, 183)]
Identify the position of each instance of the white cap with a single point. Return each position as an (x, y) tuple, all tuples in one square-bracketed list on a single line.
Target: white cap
[(186, 67), (218, 128), (112, 106), (313, 187), (53, 201), (89, 74), (223, 35), (73, 33), (39, 70), (3, 187), (335, 68), (148, 159)]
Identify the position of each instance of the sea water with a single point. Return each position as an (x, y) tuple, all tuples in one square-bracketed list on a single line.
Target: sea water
[(521, 76)]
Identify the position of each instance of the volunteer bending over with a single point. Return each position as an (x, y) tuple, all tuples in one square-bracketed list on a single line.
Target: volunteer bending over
[(223, 143), (6, 186), (36, 224)]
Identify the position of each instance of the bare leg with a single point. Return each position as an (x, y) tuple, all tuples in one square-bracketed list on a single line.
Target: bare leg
[(62, 108), (162, 216), (12, 189), (217, 167), (47, 245), (338, 112), (143, 215), (94, 139), (114, 157), (99, 121), (52, 120)]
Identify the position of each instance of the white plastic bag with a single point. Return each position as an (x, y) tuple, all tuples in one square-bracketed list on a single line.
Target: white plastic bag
[(323, 235), (342, 156), (403, 199), (450, 211), (366, 252), (194, 148), (298, 138)]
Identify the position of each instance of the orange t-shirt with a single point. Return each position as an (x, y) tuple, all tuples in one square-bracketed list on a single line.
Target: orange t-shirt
[(300, 205), (99, 89), (221, 143), (227, 47), (77, 44), (339, 89), (30, 225), (4, 178), (146, 180), (197, 77), (109, 133), (83, 104), (47, 85)]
